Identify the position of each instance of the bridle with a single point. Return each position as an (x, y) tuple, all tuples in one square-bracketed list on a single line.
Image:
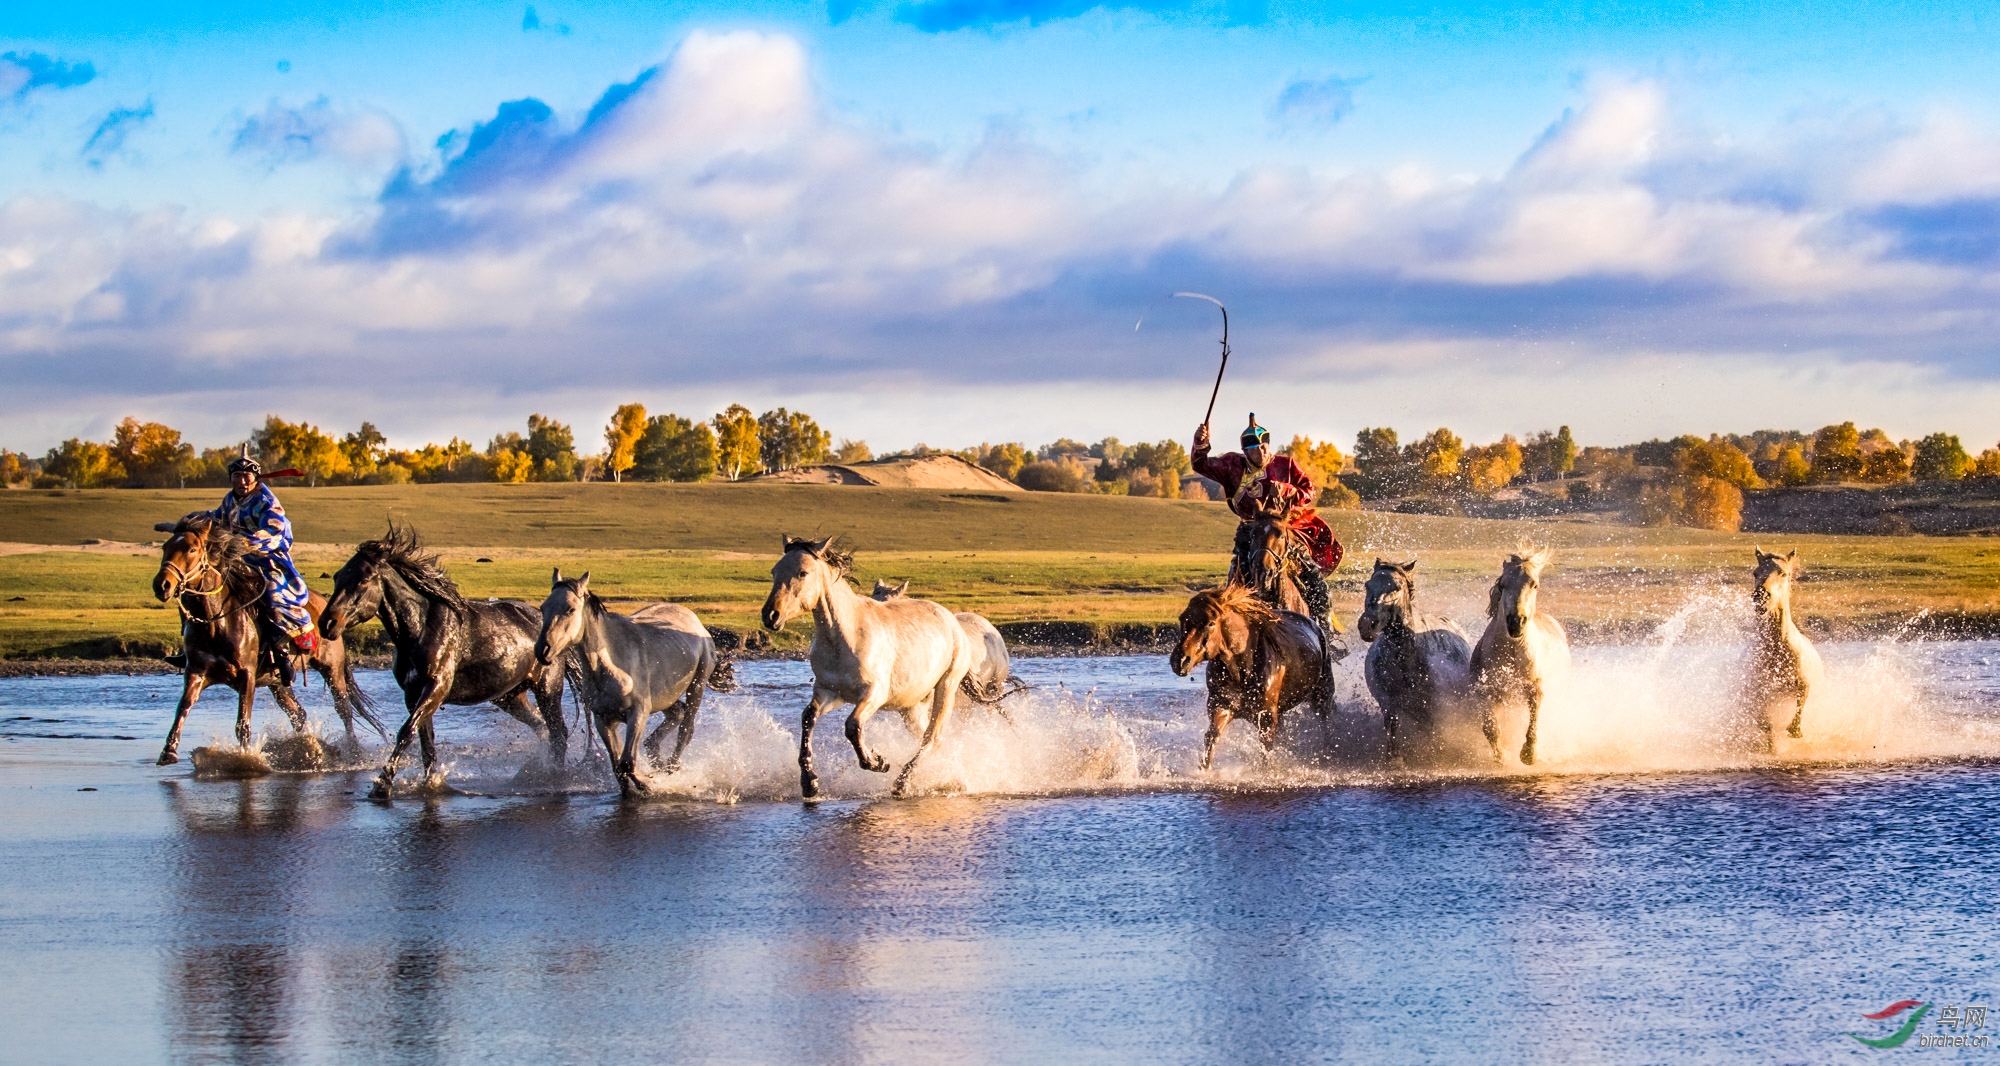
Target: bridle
[(182, 579)]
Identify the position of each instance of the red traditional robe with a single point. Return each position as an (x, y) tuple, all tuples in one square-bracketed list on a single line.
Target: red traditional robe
[(1280, 482)]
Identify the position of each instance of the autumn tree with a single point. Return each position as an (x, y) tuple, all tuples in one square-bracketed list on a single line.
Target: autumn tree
[(852, 451), (1044, 475), (83, 464), (152, 454), (1987, 465), (1836, 453), (738, 451), (1005, 459), (1719, 459), (1492, 467), (1789, 466), (552, 447), (1380, 461), (1940, 457), (1321, 460), (1885, 466), (17, 469), (1434, 459), (787, 440), (673, 448), (621, 438), (301, 446)]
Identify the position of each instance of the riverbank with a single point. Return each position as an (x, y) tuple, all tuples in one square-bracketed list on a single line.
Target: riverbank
[(1060, 574)]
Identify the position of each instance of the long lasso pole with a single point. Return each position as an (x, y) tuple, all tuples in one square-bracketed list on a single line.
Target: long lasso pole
[(1217, 391)]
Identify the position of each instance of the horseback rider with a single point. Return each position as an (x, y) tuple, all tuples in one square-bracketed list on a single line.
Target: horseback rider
[(253, 510), (1257, 483)]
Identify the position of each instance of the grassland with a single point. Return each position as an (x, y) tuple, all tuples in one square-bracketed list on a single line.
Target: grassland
[(1017, 557)]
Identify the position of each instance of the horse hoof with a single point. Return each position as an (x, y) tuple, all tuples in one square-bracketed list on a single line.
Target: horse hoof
[(1796, 733), (1527, 756), (379, 791), (167, 758)]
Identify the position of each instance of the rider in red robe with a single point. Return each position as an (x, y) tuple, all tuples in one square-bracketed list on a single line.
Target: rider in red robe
[(1255, 482)]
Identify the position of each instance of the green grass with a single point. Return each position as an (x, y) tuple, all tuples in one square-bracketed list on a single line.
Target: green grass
[(1013, 557)]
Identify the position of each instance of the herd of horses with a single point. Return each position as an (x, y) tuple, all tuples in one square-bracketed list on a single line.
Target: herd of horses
[(1264, 655)]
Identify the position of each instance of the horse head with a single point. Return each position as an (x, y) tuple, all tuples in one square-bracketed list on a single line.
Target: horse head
[(884, 592), (801, 578), (564, 615), (1514, 594), (1215, 627), (1391, 598), (357, 587), (185, 555), (1269, 557), (1771, 582)]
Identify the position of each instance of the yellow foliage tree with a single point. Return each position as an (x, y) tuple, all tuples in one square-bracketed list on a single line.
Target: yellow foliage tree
[(621, 438), (737, 448)]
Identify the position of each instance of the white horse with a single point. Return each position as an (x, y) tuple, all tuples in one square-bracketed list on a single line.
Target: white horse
[(659, 658), (992, 670), (906, 655), (1522, 650), (1784, 666), (1417, 664)]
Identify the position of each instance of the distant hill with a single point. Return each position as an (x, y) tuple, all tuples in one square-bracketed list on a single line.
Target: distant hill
[(929, 472), (1935, 508)]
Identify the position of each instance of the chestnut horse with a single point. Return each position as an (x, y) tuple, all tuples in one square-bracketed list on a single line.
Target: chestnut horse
[(1261, 661), (221, 600)]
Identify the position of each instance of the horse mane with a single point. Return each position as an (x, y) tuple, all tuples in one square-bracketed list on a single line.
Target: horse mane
[(1241, 599), (841, 561), (401, 549), (227, 550)]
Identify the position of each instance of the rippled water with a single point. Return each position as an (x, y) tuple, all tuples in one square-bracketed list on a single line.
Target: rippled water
[(1071, 888)]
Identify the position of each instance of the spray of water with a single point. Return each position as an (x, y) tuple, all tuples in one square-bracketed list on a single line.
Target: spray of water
[(1670, 703)]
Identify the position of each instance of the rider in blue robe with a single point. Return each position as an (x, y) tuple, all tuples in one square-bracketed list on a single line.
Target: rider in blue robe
[(255, 512)]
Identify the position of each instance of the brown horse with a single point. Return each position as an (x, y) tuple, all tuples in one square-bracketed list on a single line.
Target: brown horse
[(1268, 566), (1261, 661), (220, 597)]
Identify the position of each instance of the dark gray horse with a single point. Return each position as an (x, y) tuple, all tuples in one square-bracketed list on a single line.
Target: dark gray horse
[(448, 649), (659, 658), (1417, 664)]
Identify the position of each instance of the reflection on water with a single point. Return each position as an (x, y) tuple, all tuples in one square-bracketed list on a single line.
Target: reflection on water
[(1088, 897)]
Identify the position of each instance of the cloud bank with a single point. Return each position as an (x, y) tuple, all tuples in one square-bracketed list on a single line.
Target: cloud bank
[(710, 229), (22, 73)]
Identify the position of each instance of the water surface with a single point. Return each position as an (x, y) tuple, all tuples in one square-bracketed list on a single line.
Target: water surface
[(1072, 888)]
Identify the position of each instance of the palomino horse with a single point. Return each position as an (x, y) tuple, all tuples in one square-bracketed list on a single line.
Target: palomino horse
[(1261, 661), (1417, 664), (991, 676), (221, 598), (448, 649), (1522, 650), (1784, 666), (659, 658), (905, 655)]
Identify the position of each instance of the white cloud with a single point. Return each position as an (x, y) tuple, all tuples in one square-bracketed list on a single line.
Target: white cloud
[(712, 228)]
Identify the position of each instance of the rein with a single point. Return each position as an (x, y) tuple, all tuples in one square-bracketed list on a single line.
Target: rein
[(184, 580)]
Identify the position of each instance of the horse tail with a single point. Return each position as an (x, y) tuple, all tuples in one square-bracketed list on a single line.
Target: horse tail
[(364, 705), (723, 677)]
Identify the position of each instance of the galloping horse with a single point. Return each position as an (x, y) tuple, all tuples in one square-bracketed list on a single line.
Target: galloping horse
[(448, 649), (1416, 663), (905, 655), (1267, 568), (1521, 651), (659, 658), (221, 597), (990, 678), (1784, 665), (1261, 661)]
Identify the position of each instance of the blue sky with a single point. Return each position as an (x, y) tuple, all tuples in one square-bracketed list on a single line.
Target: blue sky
[(937, 220)]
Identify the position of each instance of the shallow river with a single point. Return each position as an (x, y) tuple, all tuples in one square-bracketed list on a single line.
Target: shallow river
[(1069, 887)]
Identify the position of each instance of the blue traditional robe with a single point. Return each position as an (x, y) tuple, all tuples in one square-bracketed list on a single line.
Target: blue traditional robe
[(261, 519)]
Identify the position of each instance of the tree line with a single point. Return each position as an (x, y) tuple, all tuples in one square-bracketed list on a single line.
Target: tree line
[(1687, 480)]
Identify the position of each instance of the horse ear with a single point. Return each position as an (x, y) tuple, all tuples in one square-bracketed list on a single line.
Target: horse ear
[(819, 547), (583, 583), (1409, 566), (556, 577)]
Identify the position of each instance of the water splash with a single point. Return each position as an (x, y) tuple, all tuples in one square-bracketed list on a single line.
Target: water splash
[(1671, 703)]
